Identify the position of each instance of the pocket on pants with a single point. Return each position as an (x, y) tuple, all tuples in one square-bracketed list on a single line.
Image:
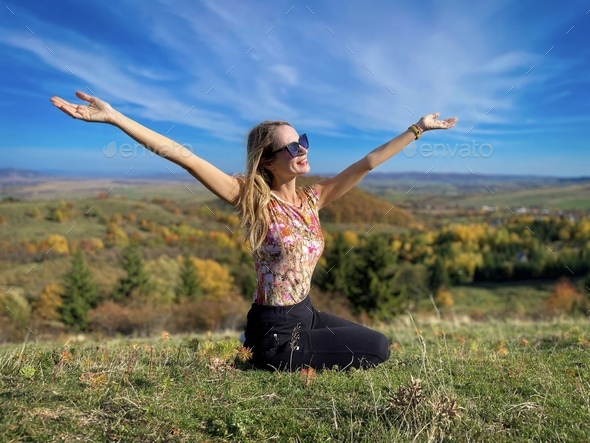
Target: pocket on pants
[(268, 346)]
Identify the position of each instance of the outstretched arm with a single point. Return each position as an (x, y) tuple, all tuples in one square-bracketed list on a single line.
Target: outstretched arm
[(221, 184), (332, 188)]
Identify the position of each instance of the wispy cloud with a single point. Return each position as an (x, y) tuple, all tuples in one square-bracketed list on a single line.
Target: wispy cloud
[(356, 71)]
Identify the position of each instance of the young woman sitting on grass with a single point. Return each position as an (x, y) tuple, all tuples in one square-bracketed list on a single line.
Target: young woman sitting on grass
[(281, 223)]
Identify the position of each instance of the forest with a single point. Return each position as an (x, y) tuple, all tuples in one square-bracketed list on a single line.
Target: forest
[(121, 265)]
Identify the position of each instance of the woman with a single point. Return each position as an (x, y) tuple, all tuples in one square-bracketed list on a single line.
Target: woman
[(281, 223)]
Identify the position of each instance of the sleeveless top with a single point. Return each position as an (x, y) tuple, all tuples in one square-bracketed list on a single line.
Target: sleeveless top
[(285, 261)]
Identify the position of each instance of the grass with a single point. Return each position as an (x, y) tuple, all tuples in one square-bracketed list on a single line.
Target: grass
[(81, 189), (494, 300), (21, 227), (494, 381)]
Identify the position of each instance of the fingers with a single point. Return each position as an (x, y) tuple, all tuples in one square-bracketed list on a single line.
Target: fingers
[(65, 107), (60, 103), (84, 96)]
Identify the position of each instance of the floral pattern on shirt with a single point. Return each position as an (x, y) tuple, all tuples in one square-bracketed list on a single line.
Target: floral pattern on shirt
[(288, 255)]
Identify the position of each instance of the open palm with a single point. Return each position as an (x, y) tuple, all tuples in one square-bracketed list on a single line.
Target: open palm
[(96, 111), (430, 122)]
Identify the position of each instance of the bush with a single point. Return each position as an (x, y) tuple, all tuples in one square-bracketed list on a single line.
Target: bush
[(110, 318), (565, 298), (209, 314), (444, 298), (15, 315)]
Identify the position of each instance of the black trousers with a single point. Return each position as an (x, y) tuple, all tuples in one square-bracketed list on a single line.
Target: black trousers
[(299, 336)]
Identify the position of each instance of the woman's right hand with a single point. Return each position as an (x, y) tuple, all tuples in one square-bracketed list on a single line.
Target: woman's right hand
[(96, 111)]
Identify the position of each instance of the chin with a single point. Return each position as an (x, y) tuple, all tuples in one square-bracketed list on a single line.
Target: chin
[(305, 170)]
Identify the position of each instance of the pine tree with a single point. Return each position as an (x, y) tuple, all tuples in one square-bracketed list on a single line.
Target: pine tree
[(79, 295), (438, 277), (339, 273), (374, 274), (189, 286), (136, 279)]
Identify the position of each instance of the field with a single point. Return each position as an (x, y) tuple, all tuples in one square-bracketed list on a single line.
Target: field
[(495, 365), (445, 381), (76, 189), (573, 197)]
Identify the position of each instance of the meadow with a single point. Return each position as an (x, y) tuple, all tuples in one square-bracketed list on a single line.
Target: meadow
[(445, 381), (490, 359)]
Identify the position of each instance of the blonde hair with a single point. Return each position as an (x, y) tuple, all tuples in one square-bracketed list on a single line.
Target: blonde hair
[(255, 184)]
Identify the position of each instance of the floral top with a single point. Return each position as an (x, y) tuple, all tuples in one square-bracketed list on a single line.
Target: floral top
[(285, 261)]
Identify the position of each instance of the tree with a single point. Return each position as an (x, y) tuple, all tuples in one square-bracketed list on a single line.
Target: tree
[(57, 244), (136, 279), (116, 236), (338, 273), (410, 285), (189, 287), (375, 269), (47, 306), (438, 278), (79, 295), (214, 278)]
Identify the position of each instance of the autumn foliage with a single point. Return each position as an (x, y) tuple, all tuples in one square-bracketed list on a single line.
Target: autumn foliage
[(565, 298)]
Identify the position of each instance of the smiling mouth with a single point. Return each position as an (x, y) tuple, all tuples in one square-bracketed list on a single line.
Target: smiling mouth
[(302, 162)]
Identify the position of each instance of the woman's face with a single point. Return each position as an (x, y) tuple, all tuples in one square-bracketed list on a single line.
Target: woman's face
[(282, 163)]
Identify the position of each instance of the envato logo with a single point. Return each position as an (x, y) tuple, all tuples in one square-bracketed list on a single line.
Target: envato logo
[(463, 150), (136, 150)]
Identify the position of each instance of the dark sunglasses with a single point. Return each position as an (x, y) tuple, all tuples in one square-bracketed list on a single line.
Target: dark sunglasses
[(293, 147)]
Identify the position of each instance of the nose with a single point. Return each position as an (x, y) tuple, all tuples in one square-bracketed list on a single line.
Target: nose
[(302, 150)]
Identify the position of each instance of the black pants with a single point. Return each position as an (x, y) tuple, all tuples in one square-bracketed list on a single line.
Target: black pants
[(297, 336)]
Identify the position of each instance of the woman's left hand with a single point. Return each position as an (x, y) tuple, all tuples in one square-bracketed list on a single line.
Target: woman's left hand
[(430, 122)]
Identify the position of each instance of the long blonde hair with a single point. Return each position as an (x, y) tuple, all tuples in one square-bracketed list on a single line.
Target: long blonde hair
[(255, 184)]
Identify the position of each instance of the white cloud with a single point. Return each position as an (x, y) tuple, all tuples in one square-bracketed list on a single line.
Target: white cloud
[(100, 71), (235, 63), (286, 73)]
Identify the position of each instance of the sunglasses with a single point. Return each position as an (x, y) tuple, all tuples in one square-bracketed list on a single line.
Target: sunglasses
[(293, 147)]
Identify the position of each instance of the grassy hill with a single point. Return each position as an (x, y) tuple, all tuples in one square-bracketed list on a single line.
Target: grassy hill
[(357, 206), (445, 381), (475, 191)]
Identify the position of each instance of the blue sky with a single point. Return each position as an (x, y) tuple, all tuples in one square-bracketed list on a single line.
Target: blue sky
[(350, 74)]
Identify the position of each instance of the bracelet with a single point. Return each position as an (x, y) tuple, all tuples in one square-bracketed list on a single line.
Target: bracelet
[(416, 130)]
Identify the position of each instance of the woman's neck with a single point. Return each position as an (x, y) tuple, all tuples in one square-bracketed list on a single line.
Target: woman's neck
[(286, 191)]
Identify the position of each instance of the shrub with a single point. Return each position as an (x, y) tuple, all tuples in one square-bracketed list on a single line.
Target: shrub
[(564, 299), (48, 304), (444, 298), (209, 314), (90, 245), (34, 212), (110, 318), (15, 314), (58, 244)]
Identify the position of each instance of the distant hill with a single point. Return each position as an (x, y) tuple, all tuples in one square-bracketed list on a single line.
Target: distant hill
[(386, 185), (373, 179), (369, 202), (459, 179), (358, 206), (13, 175)]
